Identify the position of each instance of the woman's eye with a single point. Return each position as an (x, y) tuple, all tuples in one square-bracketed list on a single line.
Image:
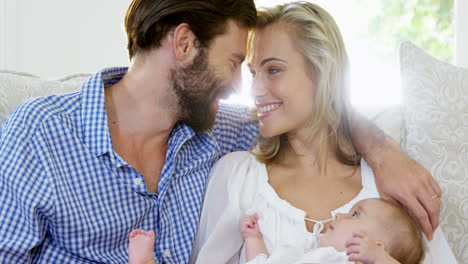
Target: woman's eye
[(355, 214), (273, 70)]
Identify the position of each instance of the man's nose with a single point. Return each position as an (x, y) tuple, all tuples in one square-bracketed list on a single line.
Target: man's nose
[(237, 82)]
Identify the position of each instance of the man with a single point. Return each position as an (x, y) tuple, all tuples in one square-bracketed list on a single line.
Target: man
[(134, 147)]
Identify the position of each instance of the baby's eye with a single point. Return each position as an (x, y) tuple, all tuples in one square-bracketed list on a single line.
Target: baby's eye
[(355, 214)]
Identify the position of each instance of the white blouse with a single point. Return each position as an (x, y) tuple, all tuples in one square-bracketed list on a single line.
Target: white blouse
[(239, 185)]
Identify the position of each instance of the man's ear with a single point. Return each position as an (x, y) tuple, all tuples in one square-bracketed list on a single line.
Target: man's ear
[(184, 42)]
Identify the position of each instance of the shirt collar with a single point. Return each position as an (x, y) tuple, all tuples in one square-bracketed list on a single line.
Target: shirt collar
[(179, 135), (96, 133)]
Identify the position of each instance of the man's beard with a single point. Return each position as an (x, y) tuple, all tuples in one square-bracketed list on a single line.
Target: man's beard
[(196, 88)]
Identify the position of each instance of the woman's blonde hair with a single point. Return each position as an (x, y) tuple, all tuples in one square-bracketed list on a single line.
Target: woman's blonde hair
[(319, 40)]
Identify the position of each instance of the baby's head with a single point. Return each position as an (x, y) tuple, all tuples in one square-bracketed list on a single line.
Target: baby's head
[(383, 222)]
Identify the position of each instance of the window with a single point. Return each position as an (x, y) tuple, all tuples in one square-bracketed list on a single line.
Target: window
[(372, 31)]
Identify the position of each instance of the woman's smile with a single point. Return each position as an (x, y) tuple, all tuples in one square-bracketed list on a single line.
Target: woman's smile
[(264, 110)]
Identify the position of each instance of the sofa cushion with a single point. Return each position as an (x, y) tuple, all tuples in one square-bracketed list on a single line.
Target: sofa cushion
[(436, 115), (16, 88), (389, 118)]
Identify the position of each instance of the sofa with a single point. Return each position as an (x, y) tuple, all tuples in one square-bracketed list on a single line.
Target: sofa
[(431, 125)]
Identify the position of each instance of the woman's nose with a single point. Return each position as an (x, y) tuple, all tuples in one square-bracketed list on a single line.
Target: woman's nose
[(258, 88)]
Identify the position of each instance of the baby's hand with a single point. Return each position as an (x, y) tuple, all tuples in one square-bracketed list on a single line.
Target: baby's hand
[(366, 250), (248, 226)]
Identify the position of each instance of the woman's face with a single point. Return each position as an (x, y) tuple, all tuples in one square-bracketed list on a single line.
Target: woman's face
[(283, 82)]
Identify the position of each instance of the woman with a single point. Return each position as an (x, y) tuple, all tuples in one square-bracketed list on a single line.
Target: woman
[(305, 168)]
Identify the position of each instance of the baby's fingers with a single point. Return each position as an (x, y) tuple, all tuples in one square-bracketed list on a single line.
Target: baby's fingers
[(246, 218), (245, 222), (355, 257), (255, 217), (353, 241), (353, 250)]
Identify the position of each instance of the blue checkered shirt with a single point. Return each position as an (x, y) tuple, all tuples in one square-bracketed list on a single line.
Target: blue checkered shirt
[(67, 197)]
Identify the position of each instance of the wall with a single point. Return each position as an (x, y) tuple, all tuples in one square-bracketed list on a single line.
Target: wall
[(53, 38), (461, 33)]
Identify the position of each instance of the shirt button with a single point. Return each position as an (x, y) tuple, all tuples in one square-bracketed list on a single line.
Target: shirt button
[(167, 253), (137, 181)]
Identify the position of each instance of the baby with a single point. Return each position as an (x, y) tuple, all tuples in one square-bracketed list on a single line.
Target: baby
[(374, 231)]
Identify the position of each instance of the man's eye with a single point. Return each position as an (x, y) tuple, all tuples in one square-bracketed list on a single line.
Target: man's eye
[(233, 64)]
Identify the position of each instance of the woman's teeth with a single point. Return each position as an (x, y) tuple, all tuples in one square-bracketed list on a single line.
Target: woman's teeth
[(268, 108)]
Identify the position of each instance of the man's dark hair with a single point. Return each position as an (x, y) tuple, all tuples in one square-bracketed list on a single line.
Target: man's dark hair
[(147, 22)]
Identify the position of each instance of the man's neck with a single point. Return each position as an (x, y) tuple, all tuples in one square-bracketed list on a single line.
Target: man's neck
[(142, 105), (142, 111)]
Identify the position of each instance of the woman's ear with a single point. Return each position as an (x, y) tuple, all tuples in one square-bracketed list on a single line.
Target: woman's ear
[(184, 42)]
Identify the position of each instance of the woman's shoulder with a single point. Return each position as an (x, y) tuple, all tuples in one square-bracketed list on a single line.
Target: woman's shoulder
[(369, 189), (367, 177), (235, 161), (236, 166), (236, 175), (236, 158)]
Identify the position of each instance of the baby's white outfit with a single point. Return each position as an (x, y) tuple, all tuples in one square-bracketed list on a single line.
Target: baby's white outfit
[(327, 255), (239, 185)]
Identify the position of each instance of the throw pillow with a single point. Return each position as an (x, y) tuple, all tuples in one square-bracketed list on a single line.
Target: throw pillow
[(436, 114)]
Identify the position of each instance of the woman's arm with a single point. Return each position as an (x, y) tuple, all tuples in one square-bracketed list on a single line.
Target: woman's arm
[(399, 178), (218, 239)]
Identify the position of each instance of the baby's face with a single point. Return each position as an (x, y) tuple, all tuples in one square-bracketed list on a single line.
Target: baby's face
[(363, 217)]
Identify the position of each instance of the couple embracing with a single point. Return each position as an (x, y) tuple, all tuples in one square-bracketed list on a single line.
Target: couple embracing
[(138, 148)]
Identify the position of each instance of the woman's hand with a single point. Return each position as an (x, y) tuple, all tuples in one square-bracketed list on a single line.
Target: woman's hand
[(399, 178), (402, 180)]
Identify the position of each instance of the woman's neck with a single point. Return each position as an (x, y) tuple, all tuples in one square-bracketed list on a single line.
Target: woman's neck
[(309, 149), (304, 149)]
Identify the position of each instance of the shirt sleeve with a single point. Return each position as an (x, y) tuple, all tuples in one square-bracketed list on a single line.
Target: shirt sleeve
[(25, 195), (218, 239), (234, 128)]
